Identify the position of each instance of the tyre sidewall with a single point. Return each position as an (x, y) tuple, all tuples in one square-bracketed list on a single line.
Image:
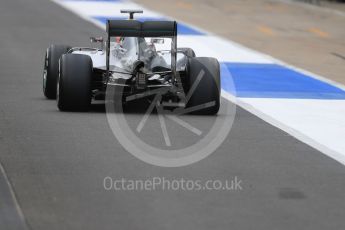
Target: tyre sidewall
[(75, 81), (208, 89), (53, 54)]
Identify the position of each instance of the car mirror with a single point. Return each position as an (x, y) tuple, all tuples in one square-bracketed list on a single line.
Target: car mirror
[(96, 39), (157, 40)]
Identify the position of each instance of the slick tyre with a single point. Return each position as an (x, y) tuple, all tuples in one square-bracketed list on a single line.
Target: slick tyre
[(51, 68), (187, 51), (74, 83), (203, 84)]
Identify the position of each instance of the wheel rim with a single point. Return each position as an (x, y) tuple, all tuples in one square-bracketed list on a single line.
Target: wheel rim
[(58, 86), (45, 72), (58, 89)]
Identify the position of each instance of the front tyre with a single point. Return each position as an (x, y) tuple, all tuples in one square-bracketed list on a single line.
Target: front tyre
[(203, 85), (74, 83), (189, 52), (51, 68)]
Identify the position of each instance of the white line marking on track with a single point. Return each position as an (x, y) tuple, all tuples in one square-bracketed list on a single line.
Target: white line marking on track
[(304, 135), (12, 216)]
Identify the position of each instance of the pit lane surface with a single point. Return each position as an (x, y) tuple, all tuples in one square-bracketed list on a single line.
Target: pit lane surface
[(56, 162)]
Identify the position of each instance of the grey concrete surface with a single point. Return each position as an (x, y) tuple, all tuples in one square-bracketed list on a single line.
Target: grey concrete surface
[(56, 162), (308, 37)]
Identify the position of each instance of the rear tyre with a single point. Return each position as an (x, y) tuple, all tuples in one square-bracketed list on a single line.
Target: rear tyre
[(74, 83), (51, 68), (189, 52), (203, 84)]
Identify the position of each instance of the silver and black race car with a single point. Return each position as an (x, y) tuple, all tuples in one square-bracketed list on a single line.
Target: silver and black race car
[(139, 60)]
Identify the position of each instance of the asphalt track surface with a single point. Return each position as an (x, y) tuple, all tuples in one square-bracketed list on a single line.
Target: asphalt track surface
[(56, 162)]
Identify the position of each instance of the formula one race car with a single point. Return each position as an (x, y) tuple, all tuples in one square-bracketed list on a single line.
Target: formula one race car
[(142, 59)]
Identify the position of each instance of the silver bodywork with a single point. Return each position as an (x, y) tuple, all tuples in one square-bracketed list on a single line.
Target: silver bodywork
[(121, 58)]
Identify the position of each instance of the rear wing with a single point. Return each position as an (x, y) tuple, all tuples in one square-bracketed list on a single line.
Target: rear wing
[(134, 28)]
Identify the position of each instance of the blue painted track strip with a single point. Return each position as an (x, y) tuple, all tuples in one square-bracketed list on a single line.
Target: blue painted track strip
[(275, 81)]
